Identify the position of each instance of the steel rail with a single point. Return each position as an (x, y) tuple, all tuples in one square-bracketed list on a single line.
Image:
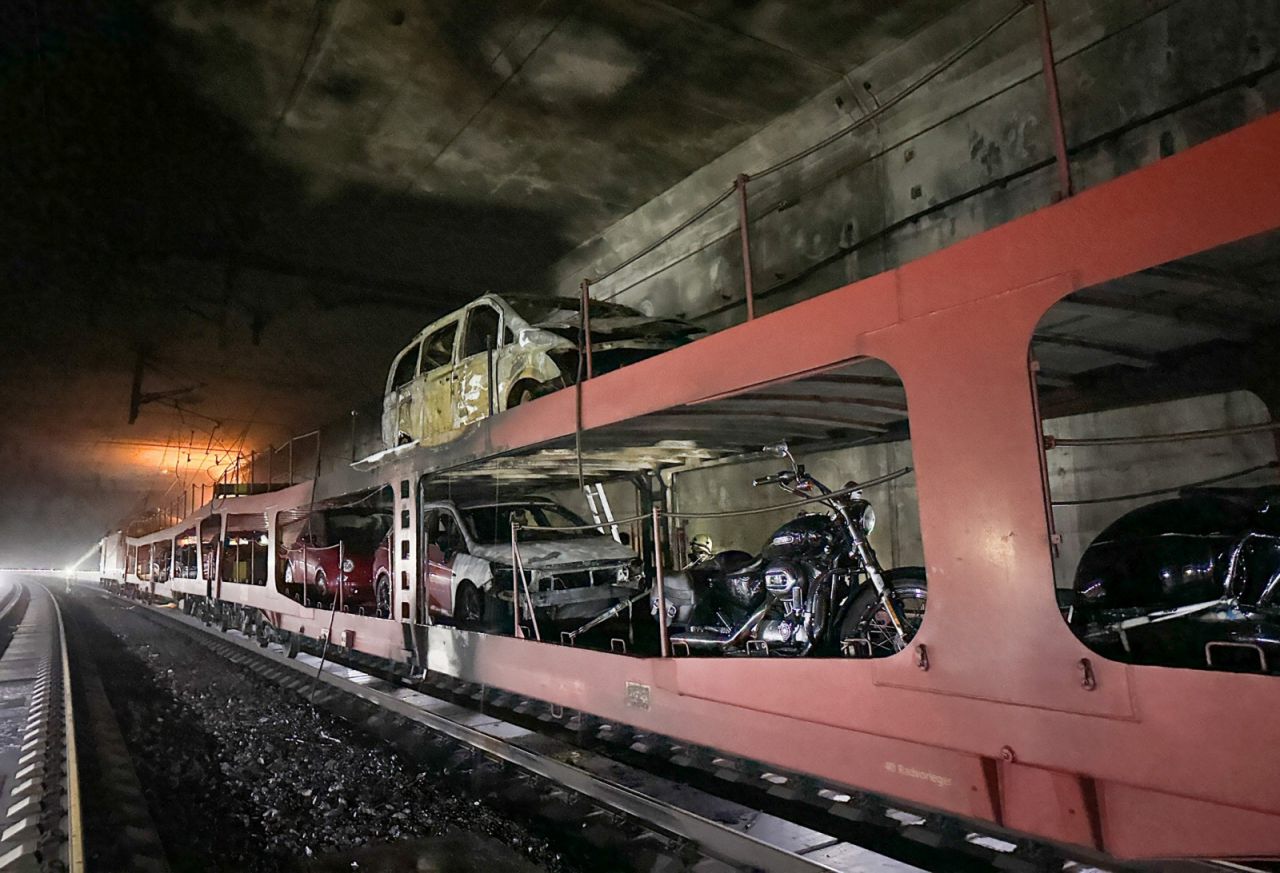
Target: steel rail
[(1156, 492), (42, 823), (716, 839), (1055, 442), (75, 829)]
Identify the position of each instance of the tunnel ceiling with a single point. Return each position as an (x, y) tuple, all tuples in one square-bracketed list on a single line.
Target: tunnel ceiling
[(266, 198)]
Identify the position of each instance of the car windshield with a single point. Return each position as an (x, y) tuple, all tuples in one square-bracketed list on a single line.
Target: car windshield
[(492, 523), (537, 310), (359, 532)]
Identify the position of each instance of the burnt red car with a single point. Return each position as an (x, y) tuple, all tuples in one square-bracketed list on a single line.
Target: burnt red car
[(339, 557)]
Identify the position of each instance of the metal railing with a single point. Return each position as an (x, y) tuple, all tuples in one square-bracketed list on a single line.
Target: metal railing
[(739, 185)]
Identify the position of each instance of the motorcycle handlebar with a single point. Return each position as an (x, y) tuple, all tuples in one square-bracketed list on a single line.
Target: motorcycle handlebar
[(787, 478)]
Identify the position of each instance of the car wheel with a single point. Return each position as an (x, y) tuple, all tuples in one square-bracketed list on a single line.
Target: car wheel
[(522, 393), (382, 595), (468, 607)]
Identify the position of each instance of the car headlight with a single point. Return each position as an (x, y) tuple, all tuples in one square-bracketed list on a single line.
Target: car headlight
[(868, 519), (348, 565)]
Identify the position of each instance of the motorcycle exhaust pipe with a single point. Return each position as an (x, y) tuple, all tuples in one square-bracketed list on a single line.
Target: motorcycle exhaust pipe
[(734, 639)]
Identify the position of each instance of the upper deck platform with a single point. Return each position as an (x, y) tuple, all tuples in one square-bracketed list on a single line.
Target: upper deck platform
[(831, 370)]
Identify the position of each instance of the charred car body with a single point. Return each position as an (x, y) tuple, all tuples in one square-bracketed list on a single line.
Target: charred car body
[(573, 574), (1187, 582), (498, 352)]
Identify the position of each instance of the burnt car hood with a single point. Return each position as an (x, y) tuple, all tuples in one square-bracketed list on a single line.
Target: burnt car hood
[(566, 552)]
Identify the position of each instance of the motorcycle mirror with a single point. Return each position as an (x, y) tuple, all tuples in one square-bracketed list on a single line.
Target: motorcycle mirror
[(779, 449)]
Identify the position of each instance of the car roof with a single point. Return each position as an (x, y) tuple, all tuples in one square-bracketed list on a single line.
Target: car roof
[(494, 504)]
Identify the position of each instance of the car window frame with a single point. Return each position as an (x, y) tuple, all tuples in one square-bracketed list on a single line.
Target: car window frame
[(499, 336), (392, 384), (451, 510), (454, 321)]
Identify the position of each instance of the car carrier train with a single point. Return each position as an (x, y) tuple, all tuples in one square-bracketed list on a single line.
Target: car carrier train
[(1058, 434)]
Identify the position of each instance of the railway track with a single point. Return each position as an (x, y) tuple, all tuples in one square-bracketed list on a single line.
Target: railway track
[(691, 802), (40, 822), (643, 801)]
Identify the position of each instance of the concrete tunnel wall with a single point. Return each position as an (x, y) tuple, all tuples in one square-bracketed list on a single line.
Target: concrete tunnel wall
[(968, 151)]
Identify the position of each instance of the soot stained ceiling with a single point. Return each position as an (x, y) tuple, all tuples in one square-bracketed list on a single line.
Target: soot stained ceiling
[(265, 198)]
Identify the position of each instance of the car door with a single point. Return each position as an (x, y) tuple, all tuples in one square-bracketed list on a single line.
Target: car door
[(397, 406), (438, 568), (481, 334), (434, 385)]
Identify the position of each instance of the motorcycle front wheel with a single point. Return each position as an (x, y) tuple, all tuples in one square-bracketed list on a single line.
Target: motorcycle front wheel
[(867, 632)]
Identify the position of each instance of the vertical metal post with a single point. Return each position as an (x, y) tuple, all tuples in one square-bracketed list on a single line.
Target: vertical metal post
[(488, 355), (291, 460), (745, 234), (1055, 100), (515, 583), (1055, 540), (342, 575), (586, 326), (271, 461), (353, 435), (664, 642)]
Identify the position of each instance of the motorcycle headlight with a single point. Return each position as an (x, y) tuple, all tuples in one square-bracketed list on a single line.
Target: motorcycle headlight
[(868, 519), (348, 565)]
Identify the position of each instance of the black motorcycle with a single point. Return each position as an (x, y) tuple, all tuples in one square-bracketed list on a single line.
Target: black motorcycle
[(815, 588), (1188, 582)]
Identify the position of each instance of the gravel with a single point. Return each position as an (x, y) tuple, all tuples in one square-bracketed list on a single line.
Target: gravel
[(242, 775)]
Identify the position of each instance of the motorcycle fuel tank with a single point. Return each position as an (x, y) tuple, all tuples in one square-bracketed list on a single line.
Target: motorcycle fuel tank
[(808, 536)]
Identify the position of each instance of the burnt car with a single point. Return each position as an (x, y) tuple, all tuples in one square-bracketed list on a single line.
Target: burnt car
[(339, 557), (498, 352), (1187, 582), (573, 575)]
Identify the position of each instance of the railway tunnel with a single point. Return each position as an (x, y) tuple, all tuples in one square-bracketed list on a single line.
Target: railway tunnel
[(757, 435)]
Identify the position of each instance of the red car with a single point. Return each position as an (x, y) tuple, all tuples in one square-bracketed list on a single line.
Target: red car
[(339, 557)]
